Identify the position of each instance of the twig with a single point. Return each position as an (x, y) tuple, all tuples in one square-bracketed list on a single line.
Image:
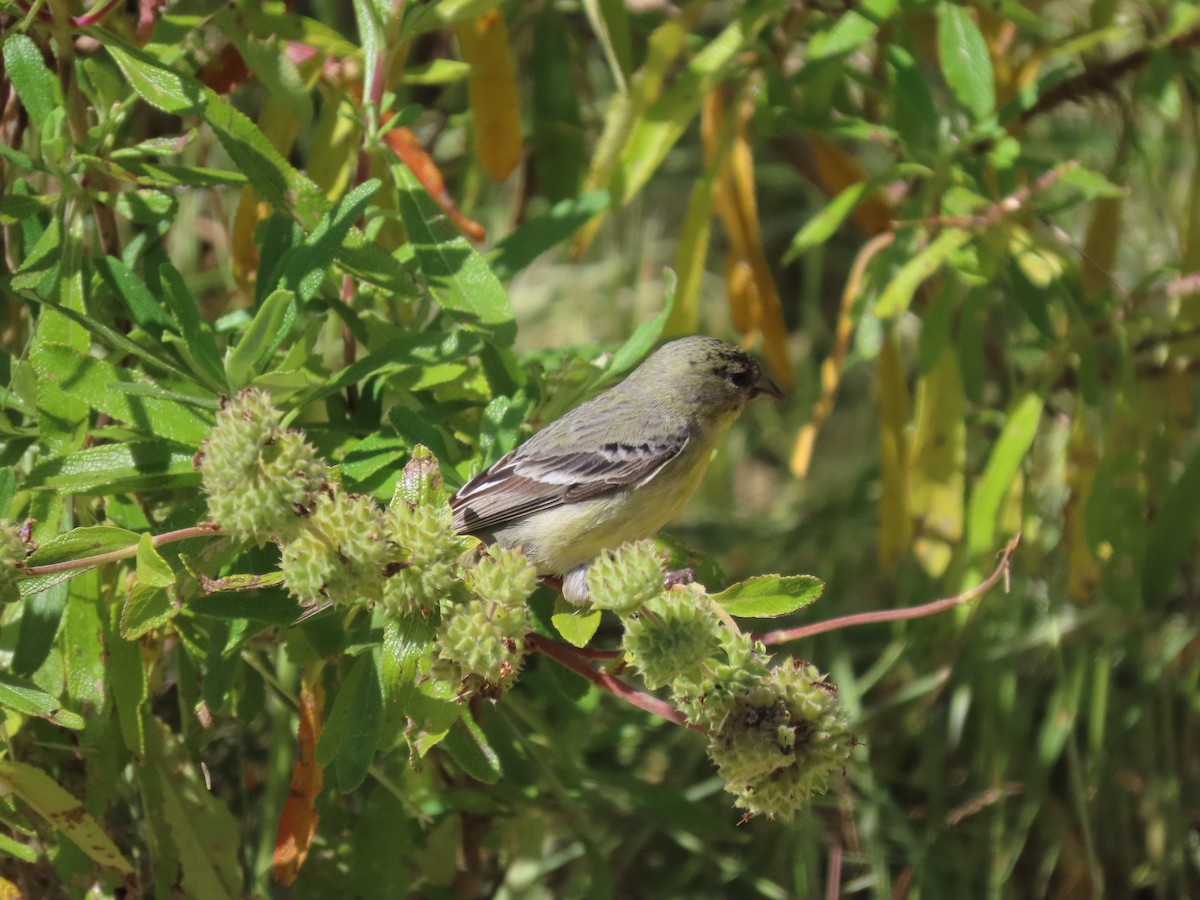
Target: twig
[(785, 635), (568, 657), (204, 529)]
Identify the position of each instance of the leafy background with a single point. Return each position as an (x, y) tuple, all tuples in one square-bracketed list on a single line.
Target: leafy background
[(963, 236)]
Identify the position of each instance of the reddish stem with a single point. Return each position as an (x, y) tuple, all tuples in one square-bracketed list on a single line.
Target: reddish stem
[(205, 529), (96, 14), (895, 615), (568, 656)]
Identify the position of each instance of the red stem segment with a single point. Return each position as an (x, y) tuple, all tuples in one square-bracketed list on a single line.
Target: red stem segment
[(895, 615), (205, 529), (568, 656)]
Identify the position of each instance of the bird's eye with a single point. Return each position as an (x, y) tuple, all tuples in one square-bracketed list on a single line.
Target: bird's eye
[(740, 378)]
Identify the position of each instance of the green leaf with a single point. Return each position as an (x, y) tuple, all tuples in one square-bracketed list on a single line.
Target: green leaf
[(42, 616), (1002, 466), (84, 651), (191, 820), (149, 605), (577, 626), (821, 227), (64, 812), (851, 30), (668, 117), (457, 275), (768, 596), (469, 747), (1171, 536), (77, 543), (266, 332), (145, 609), (353, 725), (27, 698), (127, 681), (152, 569), (35, 85), (645, 336), (305, 266), (966, 65), (897, 296), (158, 85), (198, 347), (88, 379), (538, 235), (143, 308), (114, 468)]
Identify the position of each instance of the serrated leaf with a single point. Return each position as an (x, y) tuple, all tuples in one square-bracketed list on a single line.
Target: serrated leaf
[(768, 596), (158, 85), (577, 626), (27, 698), (64, 812), (36, 87)]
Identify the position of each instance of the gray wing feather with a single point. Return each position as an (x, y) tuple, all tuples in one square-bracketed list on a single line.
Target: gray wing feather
[(541, 474)]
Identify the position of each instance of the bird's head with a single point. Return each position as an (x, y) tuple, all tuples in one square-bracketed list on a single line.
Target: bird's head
[(704, 377)]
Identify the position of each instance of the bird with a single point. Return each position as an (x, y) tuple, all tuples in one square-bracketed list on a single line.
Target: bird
[(616, 468)]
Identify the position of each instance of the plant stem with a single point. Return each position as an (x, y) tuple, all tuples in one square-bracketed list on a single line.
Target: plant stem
[(785, 635), (204, 529), (569, 657)]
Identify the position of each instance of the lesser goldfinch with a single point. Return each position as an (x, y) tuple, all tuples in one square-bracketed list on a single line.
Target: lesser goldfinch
[(616, 468)]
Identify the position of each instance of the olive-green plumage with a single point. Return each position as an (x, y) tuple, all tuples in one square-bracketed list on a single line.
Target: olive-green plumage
[(616, 468)]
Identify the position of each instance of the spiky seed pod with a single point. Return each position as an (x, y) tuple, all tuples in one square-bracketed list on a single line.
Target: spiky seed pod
[(486, 640), (13, 550), (341, 553), (259, 477), (781, 741), (707, 697), (626, 578), (503, 576), (425, 541), (680, 633)]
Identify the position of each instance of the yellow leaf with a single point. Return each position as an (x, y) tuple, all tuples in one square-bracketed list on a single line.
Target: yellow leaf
[(736, 204), (1100, 247), (492, 91), (895, 518), (839, 170), (937, 459)]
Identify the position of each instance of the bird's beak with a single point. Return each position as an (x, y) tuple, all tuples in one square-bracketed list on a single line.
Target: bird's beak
[(765, 385)]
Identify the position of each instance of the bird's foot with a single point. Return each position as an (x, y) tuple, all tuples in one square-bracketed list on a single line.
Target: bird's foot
[(678, 577)]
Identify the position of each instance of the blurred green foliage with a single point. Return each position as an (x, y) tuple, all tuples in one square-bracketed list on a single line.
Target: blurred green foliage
[(966, 234)]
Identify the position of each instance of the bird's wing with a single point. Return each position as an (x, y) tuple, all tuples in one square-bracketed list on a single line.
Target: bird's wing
[(533, 478)]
